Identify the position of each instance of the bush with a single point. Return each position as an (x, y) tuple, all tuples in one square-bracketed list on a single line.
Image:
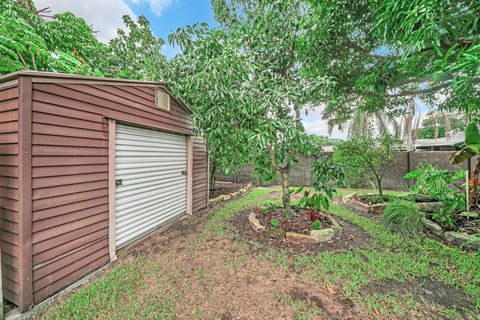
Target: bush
[(436, 183), (403, 216)]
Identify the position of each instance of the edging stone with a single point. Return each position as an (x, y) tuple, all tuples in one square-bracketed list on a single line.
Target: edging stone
[(462, 240), (230, 196), (353, 204), (295, 237), (433, 227), (323, 235), (255, 223)]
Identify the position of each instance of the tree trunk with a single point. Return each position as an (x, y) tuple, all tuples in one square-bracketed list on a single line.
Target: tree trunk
[(285, 174), (409, 125), (213, 169), (379, 187), (475, 178)]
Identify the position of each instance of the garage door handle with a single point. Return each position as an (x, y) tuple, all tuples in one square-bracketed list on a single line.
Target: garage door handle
[(184, 172)]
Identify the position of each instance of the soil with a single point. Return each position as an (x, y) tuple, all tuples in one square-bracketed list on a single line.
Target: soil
[(224, 188), (424, 289), (352, 237), (301, 221), (468, 226), (232, 279)]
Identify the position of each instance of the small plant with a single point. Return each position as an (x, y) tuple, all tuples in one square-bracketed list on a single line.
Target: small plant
[(436, 183), (326, 176), (316, 225), (269, 207), (403, 216), (445, 218), (275, 223)]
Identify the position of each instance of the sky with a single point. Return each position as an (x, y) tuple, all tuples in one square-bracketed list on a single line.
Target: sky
[(165, 17)]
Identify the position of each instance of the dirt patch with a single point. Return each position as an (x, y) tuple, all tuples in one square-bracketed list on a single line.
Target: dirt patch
[(331, 310), (220, 279), (352, 237), (426, 290), (225, 188)]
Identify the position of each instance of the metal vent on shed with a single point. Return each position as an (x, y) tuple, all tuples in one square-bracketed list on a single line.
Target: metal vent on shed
[(162, 99)]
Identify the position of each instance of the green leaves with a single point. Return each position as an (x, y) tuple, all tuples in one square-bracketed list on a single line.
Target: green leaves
[(471, 146), (472, 137), (431, 181)]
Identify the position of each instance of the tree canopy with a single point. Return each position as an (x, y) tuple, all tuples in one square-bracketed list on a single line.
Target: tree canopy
[(378, 54), (30, 40)]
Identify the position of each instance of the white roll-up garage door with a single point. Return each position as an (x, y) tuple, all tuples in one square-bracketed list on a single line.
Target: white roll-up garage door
[(151, 182)]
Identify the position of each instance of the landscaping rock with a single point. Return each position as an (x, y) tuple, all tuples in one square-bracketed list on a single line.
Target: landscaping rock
[(462, 240), (432, 227), (294, 237), (255, 223), (354, 204), (429, 206), (470, 215), (323, 235), (275, 233), (335, 225)]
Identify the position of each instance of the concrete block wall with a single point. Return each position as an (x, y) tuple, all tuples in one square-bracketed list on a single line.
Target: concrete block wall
[(301, 174)]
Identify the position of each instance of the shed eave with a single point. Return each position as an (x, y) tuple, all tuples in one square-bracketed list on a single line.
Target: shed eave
[(55, 77)]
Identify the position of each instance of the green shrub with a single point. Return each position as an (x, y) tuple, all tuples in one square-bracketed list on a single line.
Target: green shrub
[(275, 223), (436, 183), (316, 225), (403, 216)]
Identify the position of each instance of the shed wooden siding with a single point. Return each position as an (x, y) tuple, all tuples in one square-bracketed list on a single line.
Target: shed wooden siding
[(70, 172), (9, 193), (200, 174)]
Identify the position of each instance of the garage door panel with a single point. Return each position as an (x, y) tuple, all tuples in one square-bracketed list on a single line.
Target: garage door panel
[(143, 217), (139, 208), (153, 189)]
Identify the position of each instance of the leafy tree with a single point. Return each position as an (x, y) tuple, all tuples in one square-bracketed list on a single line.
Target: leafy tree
[(66, 43), (209, 76), (368, 153), (135, 54), (439, 124), (376, 55), (28, 42), (251, 82)]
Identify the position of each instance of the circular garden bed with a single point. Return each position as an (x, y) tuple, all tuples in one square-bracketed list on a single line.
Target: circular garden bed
[(307, 231)]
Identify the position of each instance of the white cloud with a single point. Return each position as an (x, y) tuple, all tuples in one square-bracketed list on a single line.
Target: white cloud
[(314, 124), (157, 6), (104, 15)]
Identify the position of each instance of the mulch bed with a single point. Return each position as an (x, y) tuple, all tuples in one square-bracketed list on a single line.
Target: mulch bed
[(225, 188), (352, 237), (468, 226), (301, 221)]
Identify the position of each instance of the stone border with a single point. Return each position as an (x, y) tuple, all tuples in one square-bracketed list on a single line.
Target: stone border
[(455, 238), (315, 236), (230, 196), (351, 203)]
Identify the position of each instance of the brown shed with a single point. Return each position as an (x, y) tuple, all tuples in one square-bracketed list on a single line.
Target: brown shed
[(87, 166)]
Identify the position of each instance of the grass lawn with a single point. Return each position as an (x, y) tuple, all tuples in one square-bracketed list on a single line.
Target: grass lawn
[(204, 269)]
